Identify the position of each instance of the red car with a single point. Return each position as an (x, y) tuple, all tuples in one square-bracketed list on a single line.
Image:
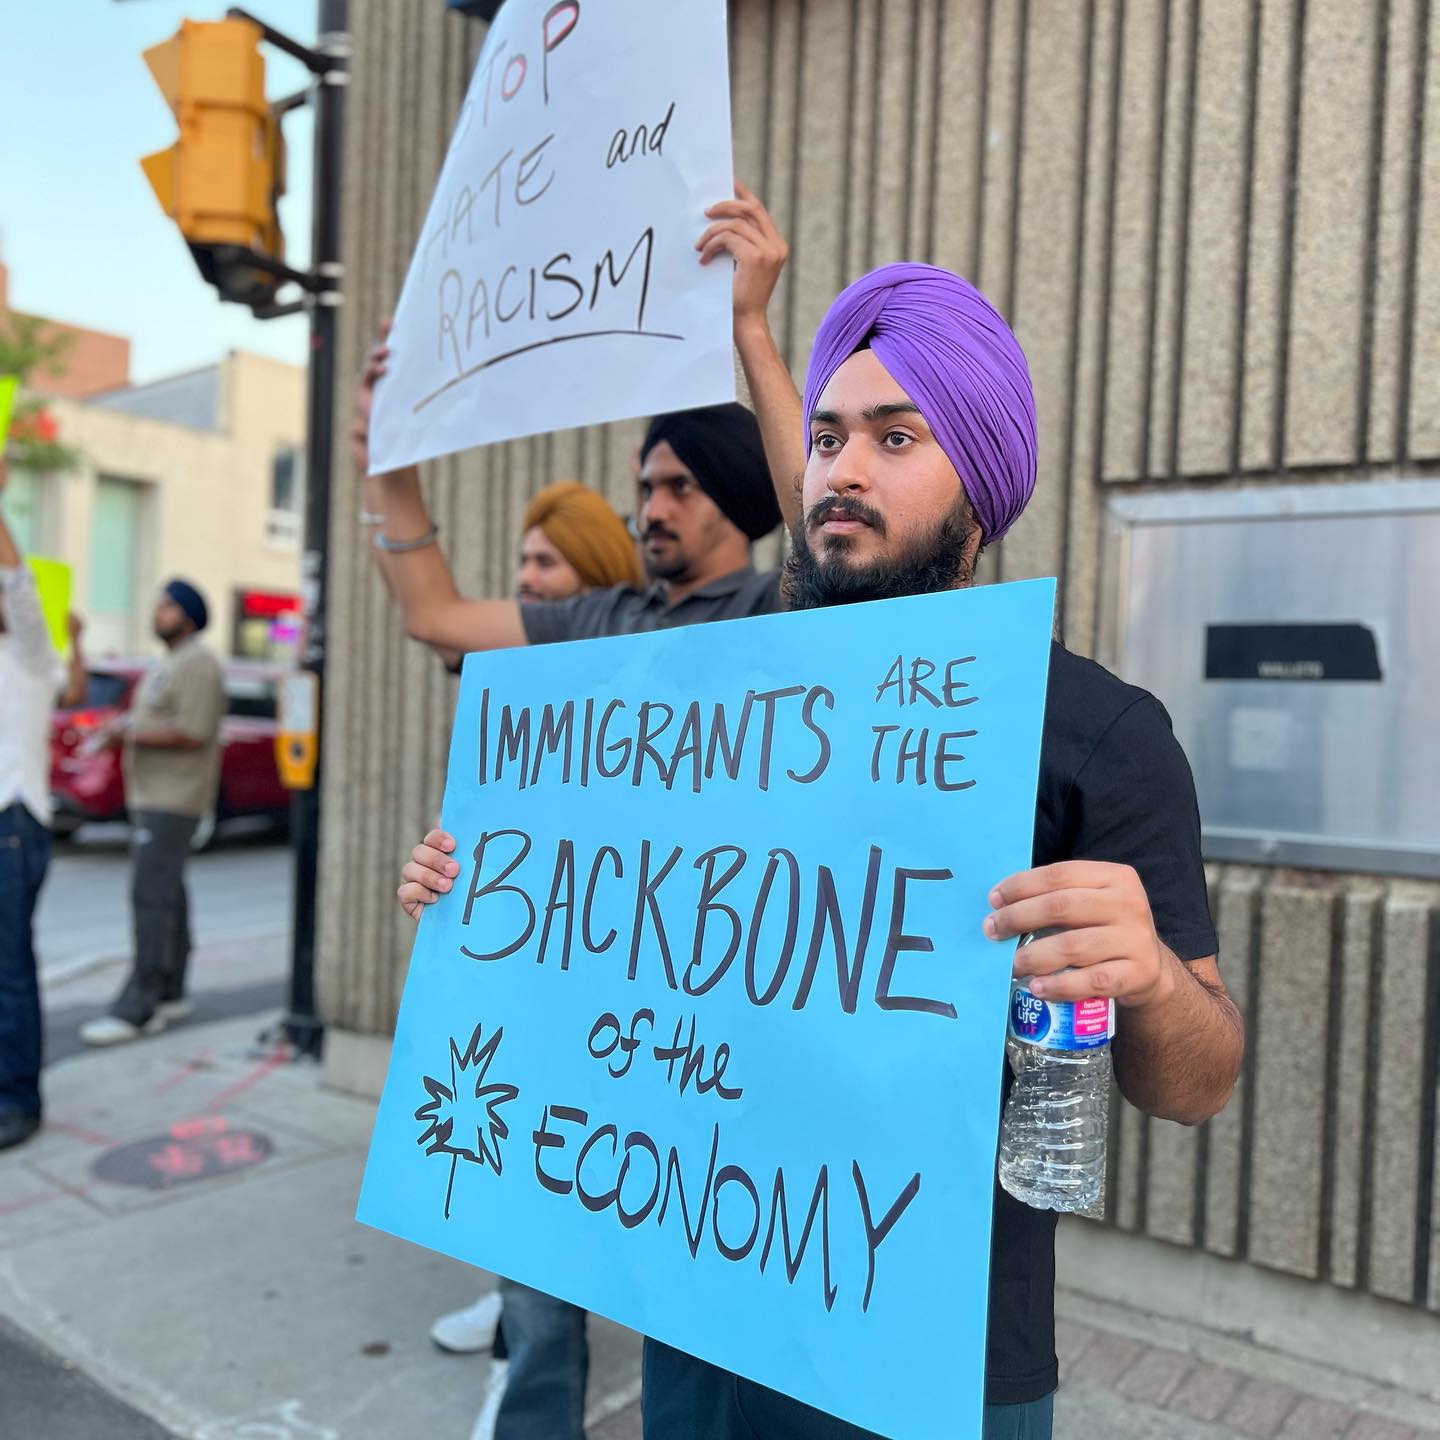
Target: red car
[(92, 787)]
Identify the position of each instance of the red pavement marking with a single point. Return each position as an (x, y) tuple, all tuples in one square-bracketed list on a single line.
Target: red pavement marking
[(273, 1061), (29, 1202), (11, 1207), (184, 1069), (79, 1132)]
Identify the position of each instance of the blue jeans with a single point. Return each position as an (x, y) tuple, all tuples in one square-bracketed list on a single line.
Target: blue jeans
[(24, 854), (688, 1399), (549, 1360)]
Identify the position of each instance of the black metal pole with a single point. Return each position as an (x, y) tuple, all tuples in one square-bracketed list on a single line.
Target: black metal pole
[(303, 1027)]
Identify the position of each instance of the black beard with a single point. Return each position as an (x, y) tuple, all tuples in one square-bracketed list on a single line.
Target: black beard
[(936, 560), (676, 569)]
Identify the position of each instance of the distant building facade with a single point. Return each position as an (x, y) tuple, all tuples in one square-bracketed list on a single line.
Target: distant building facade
[(198, 475)]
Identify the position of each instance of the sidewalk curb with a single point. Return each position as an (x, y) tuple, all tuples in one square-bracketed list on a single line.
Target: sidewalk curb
[(63, 972), (43, 1327)]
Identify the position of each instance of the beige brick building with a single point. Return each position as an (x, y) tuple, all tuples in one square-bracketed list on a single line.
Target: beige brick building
[(198, 475), (1216, 229)]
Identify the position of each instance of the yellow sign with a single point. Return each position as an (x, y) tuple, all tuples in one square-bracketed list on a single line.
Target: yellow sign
[(52, 580), (297, 746), (9, 384)]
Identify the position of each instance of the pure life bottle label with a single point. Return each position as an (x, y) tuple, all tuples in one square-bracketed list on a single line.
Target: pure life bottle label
[(1060, 1024)]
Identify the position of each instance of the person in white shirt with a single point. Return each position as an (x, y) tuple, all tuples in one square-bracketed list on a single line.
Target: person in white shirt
[(32, 676)]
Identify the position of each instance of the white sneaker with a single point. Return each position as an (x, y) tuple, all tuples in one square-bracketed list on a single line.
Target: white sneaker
[(112, 1030), (173, 1010), (463, 1332)]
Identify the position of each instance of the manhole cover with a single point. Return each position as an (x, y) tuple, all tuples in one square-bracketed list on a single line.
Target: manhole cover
[(189, 1150)]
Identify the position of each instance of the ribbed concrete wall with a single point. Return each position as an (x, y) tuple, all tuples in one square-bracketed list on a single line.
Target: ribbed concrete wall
[(1216, 228)]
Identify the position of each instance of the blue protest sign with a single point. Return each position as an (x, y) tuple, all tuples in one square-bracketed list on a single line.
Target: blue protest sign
[(708, 1038)]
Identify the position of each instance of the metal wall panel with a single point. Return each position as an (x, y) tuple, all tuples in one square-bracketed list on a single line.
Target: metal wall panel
[(1308, 756), (1208, 221)]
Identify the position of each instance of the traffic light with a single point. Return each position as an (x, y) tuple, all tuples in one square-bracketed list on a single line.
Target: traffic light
[(221, 179)]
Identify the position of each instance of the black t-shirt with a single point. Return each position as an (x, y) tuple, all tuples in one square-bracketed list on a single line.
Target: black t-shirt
[(1114, 785)]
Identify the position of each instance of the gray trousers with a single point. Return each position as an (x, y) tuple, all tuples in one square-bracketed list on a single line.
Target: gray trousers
[(159, 848)]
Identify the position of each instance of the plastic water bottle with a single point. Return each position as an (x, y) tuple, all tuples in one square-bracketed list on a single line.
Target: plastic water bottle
[(1052, 1137)]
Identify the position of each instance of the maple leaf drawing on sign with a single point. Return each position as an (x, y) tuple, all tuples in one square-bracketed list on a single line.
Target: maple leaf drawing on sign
[(463, 1119)]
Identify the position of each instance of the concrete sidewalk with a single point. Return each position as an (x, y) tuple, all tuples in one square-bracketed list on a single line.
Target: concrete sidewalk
[(179, 1246), (182, 1233)]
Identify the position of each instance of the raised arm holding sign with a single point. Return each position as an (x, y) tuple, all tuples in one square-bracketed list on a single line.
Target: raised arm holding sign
[(676, 495), (553, 282)]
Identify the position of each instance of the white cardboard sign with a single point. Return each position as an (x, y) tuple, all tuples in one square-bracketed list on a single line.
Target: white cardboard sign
[(555, 282)]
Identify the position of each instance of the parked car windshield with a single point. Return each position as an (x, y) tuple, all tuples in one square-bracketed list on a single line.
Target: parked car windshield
[(103, 689), (250, 697)]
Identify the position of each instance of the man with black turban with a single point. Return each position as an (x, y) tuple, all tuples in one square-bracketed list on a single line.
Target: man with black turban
[(703, 494)]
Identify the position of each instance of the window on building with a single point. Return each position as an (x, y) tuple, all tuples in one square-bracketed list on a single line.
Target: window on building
[(267, 625), (284, 519), (21, 502), (113, 621)]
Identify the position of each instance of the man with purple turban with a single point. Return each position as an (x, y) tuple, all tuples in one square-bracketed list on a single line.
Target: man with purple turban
[(922, 449)]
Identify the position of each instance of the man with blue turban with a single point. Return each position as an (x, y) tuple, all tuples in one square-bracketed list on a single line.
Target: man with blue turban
[(172, 770)]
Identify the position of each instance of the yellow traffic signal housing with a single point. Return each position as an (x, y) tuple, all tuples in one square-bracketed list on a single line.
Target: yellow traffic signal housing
[(221, 180)]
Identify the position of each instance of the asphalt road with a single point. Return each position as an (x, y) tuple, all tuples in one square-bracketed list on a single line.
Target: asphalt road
[(45, 1396), (240, 887)]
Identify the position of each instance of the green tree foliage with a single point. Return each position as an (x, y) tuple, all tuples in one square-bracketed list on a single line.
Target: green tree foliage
[(28, 347)]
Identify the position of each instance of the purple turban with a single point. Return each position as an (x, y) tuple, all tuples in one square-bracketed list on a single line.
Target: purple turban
[(947, 346)]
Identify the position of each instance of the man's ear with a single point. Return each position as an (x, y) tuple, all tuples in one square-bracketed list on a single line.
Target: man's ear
[(975, 541)]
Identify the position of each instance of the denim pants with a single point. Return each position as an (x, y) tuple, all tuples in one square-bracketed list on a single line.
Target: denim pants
[(159, 848), (549, 1361), (24, 854), (688, 1399)]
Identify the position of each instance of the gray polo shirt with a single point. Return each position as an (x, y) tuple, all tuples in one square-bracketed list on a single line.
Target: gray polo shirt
[(184, 691), (624, 610)]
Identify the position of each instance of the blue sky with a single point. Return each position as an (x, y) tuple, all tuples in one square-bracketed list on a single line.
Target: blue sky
[(80, 229)]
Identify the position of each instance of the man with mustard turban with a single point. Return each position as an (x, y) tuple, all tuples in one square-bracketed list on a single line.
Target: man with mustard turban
[(921, 437), (572, 541)]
